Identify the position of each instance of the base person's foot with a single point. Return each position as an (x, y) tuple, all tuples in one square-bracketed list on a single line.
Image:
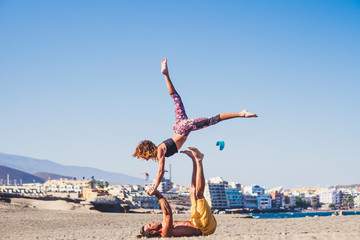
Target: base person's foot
[(197, 154), (189, 153)]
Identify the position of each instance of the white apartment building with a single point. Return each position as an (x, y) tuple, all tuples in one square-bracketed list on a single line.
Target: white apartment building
[(26, 189), (139, 188), (330, 196), (144, 201), (264, 201), (254, 189), (64, 186), (357, 201), (215, 193), (164, 186), (38, 186), (235, 185)]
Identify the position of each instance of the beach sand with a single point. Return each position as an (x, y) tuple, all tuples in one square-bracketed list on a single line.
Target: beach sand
[(34, 219)]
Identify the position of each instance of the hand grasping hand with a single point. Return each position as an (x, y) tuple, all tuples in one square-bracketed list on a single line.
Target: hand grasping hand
[(151, 191)]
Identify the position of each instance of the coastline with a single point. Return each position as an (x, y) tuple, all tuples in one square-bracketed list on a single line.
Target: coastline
[(61, 220)]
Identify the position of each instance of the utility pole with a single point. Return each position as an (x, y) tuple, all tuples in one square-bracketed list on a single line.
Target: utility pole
[(170, 171)]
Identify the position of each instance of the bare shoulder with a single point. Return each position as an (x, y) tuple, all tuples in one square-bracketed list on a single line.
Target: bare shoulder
[(161, 149), (161, 146)]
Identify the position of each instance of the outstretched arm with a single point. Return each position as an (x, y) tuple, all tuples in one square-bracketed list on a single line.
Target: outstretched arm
[(167, 224), (165, 71), (161, 171)]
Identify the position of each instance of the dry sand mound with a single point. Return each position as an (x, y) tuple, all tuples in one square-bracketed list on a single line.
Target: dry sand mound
[(48, 205)]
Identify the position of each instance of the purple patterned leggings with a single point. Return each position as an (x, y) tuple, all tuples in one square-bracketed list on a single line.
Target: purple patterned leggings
[(183, 125)]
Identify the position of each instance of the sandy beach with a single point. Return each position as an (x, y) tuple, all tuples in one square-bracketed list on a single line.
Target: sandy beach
[(34, 219)]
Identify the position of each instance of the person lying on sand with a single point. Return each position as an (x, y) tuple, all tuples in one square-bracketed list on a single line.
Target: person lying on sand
[(202, 221)]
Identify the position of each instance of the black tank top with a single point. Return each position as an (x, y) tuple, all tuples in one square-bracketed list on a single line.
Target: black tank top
[(171, 147)]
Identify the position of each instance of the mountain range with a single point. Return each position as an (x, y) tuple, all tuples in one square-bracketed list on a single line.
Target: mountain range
[(20, 177), (47, 176), (33, 165)]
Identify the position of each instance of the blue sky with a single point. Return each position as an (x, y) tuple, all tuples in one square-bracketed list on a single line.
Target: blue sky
[(81, 85)]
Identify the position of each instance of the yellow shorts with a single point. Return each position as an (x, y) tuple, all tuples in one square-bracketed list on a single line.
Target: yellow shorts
[(202, 217)]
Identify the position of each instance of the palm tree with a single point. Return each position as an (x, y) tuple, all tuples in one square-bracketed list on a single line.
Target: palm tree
[(92, 183), (349, 203)]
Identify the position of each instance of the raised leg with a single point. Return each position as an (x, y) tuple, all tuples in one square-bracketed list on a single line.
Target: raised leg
[(193, 177), (165, 71), (199, 123), (244, 114), (200, 178)]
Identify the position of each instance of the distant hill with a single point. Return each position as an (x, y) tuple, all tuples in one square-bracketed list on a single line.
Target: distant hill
[(32, 165), (347, 186), (18, 175), (46, 176)]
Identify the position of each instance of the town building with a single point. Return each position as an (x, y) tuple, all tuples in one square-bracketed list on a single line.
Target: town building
[(345, 198), (164, 186), (263, 201), (330, 196), (250, 201), (357, 201), (92, 193), (33, 189), (215, 193), (142, 200), (289, 201), (253, 189), (234, 197), (277, 200), (235, 185)]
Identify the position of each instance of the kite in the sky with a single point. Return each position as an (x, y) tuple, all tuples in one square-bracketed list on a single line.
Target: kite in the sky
[(221, 144), (146, 175)]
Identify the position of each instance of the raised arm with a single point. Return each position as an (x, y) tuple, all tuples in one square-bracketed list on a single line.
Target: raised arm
[(167, 224), (161, 171)]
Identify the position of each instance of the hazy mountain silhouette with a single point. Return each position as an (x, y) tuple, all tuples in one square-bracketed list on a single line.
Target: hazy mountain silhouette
[(32, 165), (46, 176), (18, 175)]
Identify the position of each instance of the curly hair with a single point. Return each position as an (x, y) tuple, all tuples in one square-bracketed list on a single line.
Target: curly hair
[(146, 149)]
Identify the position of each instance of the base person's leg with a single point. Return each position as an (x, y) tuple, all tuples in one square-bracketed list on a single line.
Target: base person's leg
[(200, 179), (193, 176)]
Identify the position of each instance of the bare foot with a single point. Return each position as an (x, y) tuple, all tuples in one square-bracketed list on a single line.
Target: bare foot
[(189, 153), (244, 113), (164, 68), (197, 154)]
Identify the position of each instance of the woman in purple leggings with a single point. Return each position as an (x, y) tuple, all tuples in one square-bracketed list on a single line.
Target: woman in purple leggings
[(182, 128)]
